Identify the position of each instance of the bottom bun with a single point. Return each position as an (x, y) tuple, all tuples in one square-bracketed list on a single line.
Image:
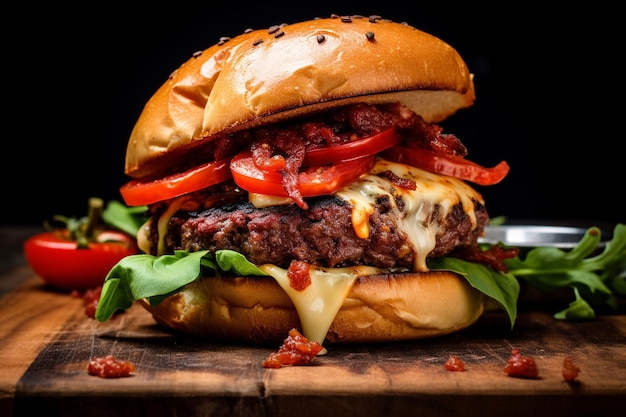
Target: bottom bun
[(379, 308)]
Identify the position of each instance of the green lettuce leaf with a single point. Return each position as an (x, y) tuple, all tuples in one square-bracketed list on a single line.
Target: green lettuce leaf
[(579, 309), (156, 277), (595, 279), (500, 287), (126, 219)]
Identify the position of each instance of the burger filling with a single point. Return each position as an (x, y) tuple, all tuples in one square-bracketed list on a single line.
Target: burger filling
[(391, 215), (323, 235), (315, 204)]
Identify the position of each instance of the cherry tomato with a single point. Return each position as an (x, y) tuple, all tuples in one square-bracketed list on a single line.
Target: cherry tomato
[(362, 147), (61, 264), (313, 181), (141, 192), (447, 165)]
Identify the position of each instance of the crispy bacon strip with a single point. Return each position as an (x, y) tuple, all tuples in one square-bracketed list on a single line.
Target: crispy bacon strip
[(282, 151), (400, 182)]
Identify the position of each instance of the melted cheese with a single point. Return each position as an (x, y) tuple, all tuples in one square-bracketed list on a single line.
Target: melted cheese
[(143, 237), (163, 223), (318, 304), (415, 215), (264, 200)]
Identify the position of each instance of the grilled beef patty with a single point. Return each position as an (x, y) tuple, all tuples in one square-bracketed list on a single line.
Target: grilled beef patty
[(322, 235)]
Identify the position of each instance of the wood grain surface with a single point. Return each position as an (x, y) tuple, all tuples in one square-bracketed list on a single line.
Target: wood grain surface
[(47, 341)]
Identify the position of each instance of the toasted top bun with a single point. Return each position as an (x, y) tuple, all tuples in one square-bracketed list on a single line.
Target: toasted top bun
[(378, 308), (270, 75)]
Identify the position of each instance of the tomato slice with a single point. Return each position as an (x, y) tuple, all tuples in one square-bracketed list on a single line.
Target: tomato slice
[(140, 192), (447, 165), (314, 181), (359, 148)]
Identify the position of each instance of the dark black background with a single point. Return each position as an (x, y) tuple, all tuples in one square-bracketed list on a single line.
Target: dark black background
[(549, 96)]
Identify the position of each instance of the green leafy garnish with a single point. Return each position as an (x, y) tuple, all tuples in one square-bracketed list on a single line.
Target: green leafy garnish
[(578, 309), (595, 279), (126, 219), (156, 277), (502, 288)]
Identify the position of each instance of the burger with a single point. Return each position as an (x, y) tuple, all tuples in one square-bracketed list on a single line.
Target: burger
[(296, 177)]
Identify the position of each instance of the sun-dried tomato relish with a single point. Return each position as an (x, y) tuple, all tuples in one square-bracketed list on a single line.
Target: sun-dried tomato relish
[(570, 370), (295, 350), (90, 298), (110, 367), (299, 275), (521, 366), (455, 364)]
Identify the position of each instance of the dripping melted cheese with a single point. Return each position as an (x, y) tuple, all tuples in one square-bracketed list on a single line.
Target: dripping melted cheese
[(143, 237), (318, 304)]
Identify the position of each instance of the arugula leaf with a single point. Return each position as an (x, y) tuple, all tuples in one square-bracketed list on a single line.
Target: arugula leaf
[(595, 279), (501, 287), (156, 277), (229, 260), (577, 310), (126, 219)]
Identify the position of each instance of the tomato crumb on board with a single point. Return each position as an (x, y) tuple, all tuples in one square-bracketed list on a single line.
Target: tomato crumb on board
[(455, 364), (295, 350), (520, 366), (570, 370), (110, 367), (90, 299)]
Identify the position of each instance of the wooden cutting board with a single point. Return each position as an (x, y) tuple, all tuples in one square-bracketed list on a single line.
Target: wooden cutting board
[(47, 341)]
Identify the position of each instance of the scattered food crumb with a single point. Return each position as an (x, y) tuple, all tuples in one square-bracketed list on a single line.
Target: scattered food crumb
[(455, 364), (110, 367), (295, 350), (570, 370), (520, 366), (90, 300)]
